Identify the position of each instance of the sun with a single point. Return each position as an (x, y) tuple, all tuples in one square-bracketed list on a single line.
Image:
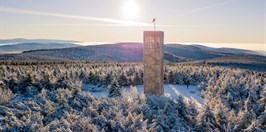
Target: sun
[(130, 9)]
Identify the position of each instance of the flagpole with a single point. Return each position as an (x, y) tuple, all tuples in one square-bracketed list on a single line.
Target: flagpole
[(154, 25)]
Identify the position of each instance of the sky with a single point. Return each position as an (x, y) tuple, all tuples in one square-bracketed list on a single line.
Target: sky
[(216, 23)]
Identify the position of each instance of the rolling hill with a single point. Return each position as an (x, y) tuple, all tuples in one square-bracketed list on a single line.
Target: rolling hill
[(22, 40), (200, 52), (120, 52), (33, 46)]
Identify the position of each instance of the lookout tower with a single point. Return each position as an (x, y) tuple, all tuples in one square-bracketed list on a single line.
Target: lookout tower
[(153, 62)]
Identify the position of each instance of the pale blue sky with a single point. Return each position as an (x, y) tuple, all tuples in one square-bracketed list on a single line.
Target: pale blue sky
[(204, 21)]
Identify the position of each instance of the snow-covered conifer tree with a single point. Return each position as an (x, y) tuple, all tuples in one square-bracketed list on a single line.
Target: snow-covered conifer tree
[(114, 89)]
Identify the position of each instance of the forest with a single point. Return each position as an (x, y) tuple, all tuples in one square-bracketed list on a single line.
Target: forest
[(49, 96)]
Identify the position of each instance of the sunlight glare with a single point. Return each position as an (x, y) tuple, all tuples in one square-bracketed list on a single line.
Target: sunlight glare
[(130, 9)]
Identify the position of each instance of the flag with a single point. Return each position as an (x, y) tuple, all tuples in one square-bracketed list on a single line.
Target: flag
[(154, 19)]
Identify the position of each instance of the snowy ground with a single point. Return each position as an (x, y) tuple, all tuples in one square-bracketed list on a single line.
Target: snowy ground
[(171, 91)]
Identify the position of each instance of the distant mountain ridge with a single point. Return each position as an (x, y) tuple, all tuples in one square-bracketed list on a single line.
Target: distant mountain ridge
[(124, 52), (33, 46), (22, 40)]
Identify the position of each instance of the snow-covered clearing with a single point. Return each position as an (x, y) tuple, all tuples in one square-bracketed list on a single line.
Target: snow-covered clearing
[(171, 91)]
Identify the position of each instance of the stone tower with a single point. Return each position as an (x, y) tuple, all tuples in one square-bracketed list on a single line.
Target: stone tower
[(153, 62)]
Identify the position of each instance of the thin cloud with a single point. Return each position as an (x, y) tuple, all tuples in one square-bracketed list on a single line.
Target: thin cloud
[(207, 7), (106, 20), (110, 22), (121, 25), (93, 25)]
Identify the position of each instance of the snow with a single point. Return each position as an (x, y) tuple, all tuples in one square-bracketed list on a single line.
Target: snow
[(96, 91), (190, 93), (171, 91)]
